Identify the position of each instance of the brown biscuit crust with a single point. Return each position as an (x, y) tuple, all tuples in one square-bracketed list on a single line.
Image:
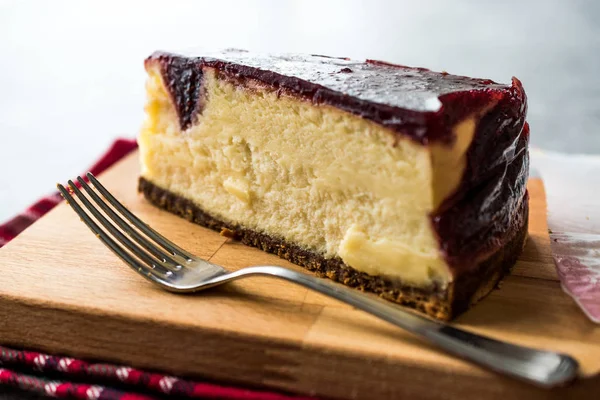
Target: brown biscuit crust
[(445, 304)]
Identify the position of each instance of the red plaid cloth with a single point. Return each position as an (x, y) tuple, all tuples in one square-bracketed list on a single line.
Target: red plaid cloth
[(77, 379)]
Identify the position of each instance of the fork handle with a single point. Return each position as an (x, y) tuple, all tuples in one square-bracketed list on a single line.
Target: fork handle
[(540, 367)]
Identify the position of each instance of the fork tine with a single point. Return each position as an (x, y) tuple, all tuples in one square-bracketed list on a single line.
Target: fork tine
[(138, 223), (157, 252), (134, 264), (124, 240)]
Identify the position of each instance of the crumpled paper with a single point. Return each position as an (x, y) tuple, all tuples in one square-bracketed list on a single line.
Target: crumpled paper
[(572, 184)]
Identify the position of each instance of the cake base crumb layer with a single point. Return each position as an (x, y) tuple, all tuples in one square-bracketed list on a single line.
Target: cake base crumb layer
[(440, 303)]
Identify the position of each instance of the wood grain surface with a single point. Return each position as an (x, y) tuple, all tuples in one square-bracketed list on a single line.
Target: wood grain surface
[(62, 291)]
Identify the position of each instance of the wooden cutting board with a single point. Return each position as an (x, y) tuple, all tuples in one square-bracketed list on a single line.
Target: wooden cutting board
[(62, 291)]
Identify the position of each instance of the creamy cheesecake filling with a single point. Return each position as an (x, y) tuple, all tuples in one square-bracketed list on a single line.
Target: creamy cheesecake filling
[(321, 178)]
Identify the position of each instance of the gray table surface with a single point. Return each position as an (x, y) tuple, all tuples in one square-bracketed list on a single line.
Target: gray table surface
[(72, 74)]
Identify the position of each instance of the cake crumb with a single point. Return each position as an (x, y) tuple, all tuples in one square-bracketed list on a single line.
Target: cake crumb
[(228, 233)]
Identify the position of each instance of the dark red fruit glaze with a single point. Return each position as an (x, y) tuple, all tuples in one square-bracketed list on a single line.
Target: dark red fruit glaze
[(398, 97), (485, 212), (185, 86), (488, 208)]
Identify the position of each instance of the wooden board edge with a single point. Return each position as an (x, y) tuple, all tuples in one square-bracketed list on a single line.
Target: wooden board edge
[(249, 361)]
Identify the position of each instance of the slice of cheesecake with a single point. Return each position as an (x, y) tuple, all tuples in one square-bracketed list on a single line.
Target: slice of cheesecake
[(395, 180)]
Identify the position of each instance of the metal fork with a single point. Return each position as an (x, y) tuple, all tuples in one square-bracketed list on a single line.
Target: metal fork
[(170, 267)]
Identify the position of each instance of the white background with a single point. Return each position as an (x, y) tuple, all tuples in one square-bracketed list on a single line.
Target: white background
[(72, 78)]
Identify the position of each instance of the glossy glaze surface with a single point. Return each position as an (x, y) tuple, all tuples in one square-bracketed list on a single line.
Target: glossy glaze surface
[(411, 101)]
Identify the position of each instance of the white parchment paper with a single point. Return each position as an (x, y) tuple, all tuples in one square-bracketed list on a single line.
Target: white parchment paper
[(572, 185)]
